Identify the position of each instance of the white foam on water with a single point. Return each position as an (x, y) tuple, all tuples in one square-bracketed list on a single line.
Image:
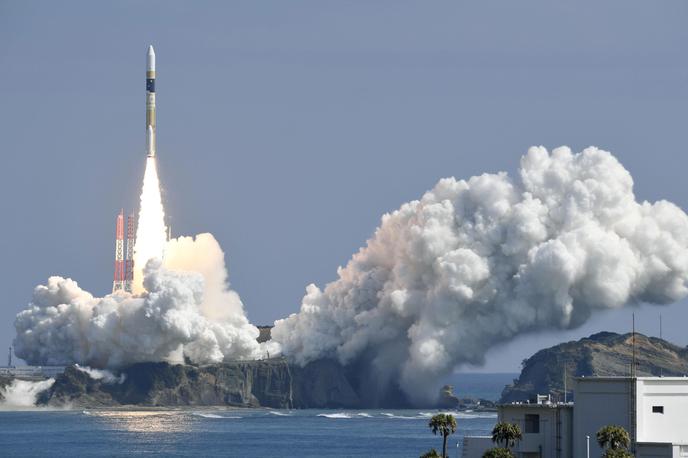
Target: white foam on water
[(213, 415), (400, 417), (335, 415)]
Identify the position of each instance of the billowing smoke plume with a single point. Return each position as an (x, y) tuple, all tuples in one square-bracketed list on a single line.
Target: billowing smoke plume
[(188, 311), (477, 262)]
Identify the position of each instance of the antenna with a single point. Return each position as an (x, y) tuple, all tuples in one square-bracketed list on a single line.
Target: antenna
[(633, 344), (565, 367), (661, 369), (9, 357)]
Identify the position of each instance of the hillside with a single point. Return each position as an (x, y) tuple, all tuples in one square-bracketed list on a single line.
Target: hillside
[(602, 354)]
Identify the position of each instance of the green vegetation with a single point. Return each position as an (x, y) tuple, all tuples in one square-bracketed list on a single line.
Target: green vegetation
[(498, 452), (444, 424), (615, 441), (432, 453), (617, 454), (506, 433)]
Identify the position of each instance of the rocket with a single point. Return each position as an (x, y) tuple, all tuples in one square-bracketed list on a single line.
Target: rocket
[(150, 102)]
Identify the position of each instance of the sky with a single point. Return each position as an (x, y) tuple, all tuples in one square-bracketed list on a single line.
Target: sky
[(287, 129)]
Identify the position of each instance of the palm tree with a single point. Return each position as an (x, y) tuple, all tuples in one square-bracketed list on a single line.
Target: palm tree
[(615, 440), (508, 433), (444, 424)]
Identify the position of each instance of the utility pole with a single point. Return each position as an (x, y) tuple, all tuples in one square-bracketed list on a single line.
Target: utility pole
[(633, 345), (565, 383), (587, 439), (661, 369)]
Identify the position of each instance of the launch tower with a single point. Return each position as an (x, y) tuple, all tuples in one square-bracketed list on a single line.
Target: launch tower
[(129, 261), (124, 253), (118, 281)]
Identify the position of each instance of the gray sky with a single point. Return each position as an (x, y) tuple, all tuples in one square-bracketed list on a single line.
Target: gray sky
[(288, 128)]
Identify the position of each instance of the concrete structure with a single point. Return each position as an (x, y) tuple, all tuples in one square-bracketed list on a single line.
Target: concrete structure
[(547, 428), (31, 372), (654, 411), (475, 446)]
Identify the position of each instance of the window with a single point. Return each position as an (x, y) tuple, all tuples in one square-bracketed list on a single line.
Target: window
[(532, 424), (657, 409), (683, 450)]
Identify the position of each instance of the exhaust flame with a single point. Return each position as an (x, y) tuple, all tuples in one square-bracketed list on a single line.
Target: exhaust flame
[(151, 233)]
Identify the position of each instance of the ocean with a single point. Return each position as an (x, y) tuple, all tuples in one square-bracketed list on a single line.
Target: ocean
[(240, 432)]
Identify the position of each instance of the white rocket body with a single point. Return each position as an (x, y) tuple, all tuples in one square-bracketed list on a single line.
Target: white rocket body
[(150, 102)]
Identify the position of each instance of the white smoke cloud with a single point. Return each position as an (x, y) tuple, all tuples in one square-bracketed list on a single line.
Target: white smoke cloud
[(102, 374), (477, 262), (21, 394), (188, 310)]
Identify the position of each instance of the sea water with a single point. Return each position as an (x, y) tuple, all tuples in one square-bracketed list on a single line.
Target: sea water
[(232, 432)]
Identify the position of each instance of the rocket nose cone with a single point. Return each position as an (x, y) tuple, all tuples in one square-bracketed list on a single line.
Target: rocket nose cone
[(150, 59)]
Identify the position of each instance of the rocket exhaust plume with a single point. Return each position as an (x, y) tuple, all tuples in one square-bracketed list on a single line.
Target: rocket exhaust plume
[(151, 233), (183, 307), (187, 311), (476, 262)]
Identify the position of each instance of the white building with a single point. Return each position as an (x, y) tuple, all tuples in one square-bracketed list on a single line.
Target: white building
[(547, 430), (654, 410)]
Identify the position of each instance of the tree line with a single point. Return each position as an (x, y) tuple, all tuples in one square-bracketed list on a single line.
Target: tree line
[(613, 439)]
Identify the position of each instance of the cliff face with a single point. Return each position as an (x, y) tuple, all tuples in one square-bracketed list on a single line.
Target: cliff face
[(603, 354), (269, 383)]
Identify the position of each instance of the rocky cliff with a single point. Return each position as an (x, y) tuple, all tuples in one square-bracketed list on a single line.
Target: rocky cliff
[(268, 383), (603, 354)]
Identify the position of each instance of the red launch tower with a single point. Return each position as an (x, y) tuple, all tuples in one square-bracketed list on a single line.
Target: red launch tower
[(124, 263), (118, 281), (129, 262)]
